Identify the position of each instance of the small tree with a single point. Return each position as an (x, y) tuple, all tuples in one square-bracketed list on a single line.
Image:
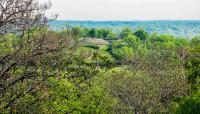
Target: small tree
[(126, 32), (93, 33), (140, 33)]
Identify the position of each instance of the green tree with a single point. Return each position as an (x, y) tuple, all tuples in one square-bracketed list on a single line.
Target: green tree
[(126, 32), (77, 32), (92, 33), (141, 34), (132, 41), (193, 64), (187, 105), (191, 104)]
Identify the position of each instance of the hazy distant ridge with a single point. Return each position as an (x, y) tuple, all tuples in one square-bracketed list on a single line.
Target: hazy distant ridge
[(184, 28)]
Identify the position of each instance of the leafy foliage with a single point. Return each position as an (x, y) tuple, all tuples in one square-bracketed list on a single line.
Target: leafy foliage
[(135, 72)]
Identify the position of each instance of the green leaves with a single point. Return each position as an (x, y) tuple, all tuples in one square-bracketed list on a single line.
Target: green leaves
[(187, 105), (139, 73), (193, 66), (7, 44), (141, 34)]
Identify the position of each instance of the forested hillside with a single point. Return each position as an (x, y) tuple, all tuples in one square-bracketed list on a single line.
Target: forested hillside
[(179, 28), (93, 70)]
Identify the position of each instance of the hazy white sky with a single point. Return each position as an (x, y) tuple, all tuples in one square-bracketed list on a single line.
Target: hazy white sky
[(126, 9)]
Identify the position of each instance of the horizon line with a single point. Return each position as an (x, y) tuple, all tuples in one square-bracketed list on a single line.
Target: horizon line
[(129, 20)]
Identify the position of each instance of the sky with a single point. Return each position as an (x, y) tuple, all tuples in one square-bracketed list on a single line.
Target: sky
[(125, 9)]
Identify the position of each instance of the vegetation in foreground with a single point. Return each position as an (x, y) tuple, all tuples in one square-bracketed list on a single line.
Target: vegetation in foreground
[(44, 71)]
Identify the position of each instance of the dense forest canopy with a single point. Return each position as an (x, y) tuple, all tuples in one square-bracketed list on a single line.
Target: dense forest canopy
[(82, 70)]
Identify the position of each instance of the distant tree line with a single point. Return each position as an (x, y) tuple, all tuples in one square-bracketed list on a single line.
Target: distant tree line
[(93, 32)]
